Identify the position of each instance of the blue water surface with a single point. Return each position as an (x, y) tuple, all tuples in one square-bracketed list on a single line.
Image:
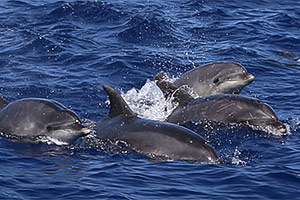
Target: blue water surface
[(66, 51)]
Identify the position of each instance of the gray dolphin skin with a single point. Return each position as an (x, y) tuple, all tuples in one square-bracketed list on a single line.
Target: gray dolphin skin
[(212, 79), (151, 138), (290, 55), (28, 118), (222, 108)]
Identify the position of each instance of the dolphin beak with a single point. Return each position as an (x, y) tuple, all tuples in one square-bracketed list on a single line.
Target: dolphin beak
[(282, 130), (250, 77), (85, 130), (280, 127)]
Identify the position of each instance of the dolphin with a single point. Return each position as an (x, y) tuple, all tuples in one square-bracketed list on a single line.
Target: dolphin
[(290, 55), (224, 108), (154, 139), (213, 79), (31, 117)]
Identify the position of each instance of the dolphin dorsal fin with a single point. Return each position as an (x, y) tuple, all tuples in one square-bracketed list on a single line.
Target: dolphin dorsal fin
[(118, 106), (180, 95), (3, 102)]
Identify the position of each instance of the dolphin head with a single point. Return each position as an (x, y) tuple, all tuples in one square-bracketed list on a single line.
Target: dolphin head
[(61, 123), (41, 117), (263, 115), (66, 127), (209, 154), (215, 78), (228, 78)]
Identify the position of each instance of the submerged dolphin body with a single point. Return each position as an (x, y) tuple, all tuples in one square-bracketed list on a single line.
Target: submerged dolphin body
[(221, 108), (32, 117), (213, 79), (290, 55), (151, 138)]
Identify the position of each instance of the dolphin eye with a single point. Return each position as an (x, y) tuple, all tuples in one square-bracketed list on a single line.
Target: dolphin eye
[(216, 80)]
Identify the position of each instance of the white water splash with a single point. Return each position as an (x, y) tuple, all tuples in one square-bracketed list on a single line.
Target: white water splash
[(49, 140), (236, 158), (149, 102), (295, 124)]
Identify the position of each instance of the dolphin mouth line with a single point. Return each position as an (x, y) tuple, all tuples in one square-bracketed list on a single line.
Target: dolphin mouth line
[(84, 131), (249, 77), (78, 128)]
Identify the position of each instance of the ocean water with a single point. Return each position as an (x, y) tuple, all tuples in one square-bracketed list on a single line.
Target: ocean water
[(66, 51)]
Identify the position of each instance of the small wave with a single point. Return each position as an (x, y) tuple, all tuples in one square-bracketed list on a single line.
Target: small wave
[(41, 45), (87, 11), (289, 40), (150, 29), (284, 20), (17, 4), (212, 14)]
